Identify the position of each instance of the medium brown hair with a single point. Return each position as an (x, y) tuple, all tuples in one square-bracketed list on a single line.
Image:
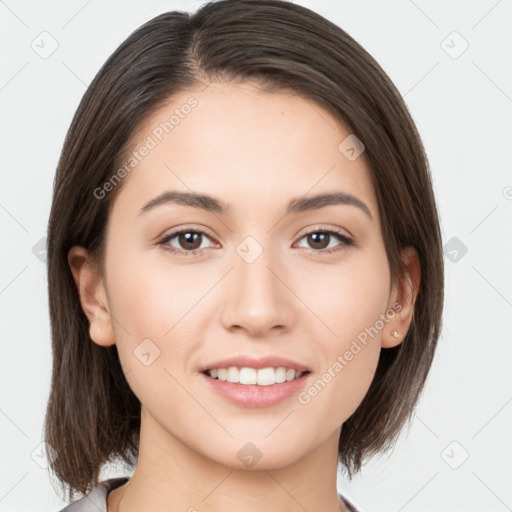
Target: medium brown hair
[(93, 416)]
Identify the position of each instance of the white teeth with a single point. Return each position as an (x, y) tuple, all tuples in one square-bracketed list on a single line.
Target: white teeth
[(247, 376), (267, 376), (281, 375), (261, 377), (233, 374)]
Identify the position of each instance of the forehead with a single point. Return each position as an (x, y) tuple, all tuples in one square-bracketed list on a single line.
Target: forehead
[(251, 148)]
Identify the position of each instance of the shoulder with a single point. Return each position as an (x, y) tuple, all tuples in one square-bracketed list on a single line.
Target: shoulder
[(350, 506), (96, 500)]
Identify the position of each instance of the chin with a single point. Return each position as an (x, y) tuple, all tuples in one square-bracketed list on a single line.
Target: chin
[(256, 456)]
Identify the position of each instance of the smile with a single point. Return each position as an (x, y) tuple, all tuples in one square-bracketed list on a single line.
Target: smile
[(255, 395), (252, 376)]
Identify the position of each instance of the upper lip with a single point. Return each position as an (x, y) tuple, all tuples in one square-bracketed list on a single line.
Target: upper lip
[(245, 360)]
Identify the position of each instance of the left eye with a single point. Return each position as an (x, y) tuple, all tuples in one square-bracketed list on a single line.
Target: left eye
[(319, 237), (190, 241)]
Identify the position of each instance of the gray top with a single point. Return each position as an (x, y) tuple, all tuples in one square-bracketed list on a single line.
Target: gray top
[(96, 500)]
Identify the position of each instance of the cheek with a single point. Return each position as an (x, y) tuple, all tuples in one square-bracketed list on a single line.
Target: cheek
[(155, 308), (350, 297), (150, 294), (352, 304)]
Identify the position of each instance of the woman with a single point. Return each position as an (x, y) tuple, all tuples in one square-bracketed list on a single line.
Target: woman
[(245, 266)]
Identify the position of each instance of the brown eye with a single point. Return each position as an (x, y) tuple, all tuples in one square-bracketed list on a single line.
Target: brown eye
[(320, 240), (188, 241)]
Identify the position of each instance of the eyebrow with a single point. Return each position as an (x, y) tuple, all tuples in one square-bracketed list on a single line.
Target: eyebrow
[(212, 204)]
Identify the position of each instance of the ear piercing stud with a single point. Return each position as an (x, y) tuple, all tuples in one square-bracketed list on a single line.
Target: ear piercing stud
[(395, 333)]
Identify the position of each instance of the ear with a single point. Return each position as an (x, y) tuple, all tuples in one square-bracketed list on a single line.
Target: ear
[(402, 300), (93, 297)]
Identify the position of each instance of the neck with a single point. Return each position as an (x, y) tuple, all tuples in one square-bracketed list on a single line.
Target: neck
[(171, 476)]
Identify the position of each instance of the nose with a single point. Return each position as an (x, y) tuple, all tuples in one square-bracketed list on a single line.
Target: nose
[(258, 299)]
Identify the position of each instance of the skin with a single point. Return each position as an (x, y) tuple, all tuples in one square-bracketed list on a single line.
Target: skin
[(255, 151)]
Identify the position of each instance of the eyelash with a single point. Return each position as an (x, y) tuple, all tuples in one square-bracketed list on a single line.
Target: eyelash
[(346, 241)]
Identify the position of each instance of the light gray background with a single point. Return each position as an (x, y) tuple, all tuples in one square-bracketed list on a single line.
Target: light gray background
[(462, 105)]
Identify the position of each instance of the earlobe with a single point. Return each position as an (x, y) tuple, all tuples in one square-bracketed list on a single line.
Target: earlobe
[(93, 299), (402, 300)]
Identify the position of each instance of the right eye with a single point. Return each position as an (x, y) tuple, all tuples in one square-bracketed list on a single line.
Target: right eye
[(187, 238)]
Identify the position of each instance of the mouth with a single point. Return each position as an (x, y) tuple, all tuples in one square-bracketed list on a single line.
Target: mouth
[(247, 376), (254, 382), (255, 388)]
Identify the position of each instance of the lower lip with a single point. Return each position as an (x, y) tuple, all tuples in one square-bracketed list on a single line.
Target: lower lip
[(256, 396)]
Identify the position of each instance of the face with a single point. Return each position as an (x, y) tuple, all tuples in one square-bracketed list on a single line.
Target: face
[(258, 271)]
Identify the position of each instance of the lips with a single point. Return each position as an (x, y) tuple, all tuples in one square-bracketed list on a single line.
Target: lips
[(255, 396), (245, 360)]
